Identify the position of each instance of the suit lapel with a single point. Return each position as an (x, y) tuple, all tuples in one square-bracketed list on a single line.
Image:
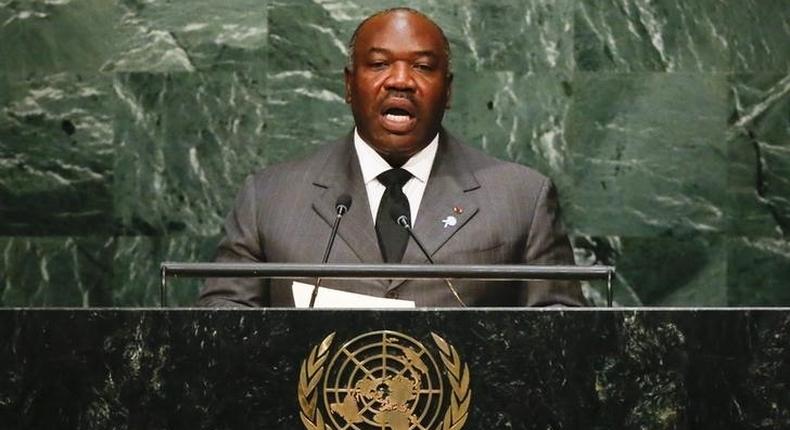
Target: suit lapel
[(446, 206), (341, 174)]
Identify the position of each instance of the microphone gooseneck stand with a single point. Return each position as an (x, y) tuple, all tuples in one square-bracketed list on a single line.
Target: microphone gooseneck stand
[(403, 221), (342, 205)]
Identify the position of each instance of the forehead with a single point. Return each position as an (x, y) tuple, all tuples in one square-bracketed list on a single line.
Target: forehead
[(400, 31)]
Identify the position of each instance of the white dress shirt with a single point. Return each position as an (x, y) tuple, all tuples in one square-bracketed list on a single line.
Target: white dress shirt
[(372, 165)]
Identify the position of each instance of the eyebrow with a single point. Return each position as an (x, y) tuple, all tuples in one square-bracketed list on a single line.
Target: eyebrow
[(426, 53)]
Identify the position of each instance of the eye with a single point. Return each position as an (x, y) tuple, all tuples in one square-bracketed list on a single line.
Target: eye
[(423, 67), (377, 64)]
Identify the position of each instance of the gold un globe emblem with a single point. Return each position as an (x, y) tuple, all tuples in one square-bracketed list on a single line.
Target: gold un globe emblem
[(384, 380)]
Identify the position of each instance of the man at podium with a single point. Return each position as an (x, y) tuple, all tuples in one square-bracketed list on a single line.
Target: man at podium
[(398, 167)]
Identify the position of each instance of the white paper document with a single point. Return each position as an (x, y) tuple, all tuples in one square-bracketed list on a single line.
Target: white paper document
[(329, 298)]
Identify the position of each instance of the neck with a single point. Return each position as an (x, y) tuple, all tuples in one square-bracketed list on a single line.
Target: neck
[(395, 161)]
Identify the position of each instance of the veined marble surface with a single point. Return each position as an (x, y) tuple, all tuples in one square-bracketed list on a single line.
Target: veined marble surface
[(530, 368), (127, 126)]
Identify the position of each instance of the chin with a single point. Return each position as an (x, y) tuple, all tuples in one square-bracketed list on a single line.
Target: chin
[(404, 145)]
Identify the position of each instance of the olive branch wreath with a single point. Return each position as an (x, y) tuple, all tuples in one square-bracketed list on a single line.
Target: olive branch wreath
[(461, 397), (309, 376), (312, 370)]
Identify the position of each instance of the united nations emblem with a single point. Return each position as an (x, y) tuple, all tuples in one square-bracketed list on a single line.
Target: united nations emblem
[(383, 380)]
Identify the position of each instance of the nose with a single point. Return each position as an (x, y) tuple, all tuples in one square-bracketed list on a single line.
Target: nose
[(400, 77)]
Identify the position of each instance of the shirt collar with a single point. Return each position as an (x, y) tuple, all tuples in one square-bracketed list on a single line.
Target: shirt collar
[(372, 164)]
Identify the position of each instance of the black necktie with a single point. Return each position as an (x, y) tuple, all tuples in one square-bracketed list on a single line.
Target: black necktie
[(392, 237)]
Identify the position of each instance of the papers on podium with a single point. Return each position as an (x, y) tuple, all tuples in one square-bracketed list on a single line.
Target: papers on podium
[(333, 299)]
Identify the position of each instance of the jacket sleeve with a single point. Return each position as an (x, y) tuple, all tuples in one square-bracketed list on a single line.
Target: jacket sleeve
[(548, 244), (241, 244)]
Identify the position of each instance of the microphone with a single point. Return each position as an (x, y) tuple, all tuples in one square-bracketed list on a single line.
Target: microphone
[(342, 204), (402, 219)]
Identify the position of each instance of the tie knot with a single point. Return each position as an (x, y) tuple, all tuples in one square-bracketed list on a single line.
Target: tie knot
[(394, 177)]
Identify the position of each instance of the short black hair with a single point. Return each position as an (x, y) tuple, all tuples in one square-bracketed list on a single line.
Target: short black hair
[(353, 42)]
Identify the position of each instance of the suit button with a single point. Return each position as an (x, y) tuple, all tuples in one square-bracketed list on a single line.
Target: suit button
[(392, 295)]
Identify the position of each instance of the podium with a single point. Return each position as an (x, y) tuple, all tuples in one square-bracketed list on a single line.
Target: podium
[(527, 368), (433, 369)]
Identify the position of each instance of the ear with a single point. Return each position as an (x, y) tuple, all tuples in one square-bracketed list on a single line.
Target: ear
[(348, 74), (449, 93)]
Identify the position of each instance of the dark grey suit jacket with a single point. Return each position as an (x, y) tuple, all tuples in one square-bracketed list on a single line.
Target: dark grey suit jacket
[(509, 215)]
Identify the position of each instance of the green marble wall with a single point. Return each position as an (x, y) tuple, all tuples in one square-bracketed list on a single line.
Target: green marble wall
[(127, 126)]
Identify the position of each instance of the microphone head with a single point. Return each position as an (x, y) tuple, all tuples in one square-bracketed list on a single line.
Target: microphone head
[(400, 216), (343, 203)]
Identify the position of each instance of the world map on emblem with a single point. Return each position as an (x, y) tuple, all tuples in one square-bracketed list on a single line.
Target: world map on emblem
[(383, 380)]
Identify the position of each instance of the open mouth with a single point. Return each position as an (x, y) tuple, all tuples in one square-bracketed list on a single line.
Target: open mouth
[(397, 115), (398, 119)]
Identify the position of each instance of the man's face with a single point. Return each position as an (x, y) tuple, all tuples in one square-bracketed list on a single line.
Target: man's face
[(399, 86)]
